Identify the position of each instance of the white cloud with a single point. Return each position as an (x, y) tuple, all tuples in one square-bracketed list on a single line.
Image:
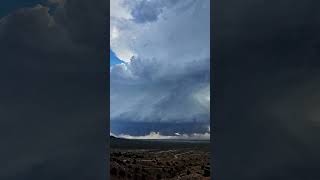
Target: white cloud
[(179, 34), (111, 134), (118, 9), (178, 136)]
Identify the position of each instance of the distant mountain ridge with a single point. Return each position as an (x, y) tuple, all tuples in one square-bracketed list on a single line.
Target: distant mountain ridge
[(113, 137)]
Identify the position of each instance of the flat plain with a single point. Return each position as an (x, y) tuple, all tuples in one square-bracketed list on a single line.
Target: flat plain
[(159, 159)]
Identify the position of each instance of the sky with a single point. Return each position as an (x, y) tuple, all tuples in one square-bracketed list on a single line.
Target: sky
[(266, 84), (53, 89), (162, 86), (114, 59), (9, 6)]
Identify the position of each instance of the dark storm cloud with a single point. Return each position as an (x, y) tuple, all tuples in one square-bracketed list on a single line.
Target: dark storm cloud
[(266, 89), (53, 91), (145, 11), (155, 93), (148, 11), (165, 77)]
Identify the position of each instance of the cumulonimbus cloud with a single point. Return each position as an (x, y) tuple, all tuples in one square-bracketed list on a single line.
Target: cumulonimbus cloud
[(166, 74), (53, 79)]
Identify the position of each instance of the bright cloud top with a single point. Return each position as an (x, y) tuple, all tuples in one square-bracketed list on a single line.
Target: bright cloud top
[(165, 45)]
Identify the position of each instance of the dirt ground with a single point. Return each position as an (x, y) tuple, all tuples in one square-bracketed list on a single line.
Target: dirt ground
[(175, 164)]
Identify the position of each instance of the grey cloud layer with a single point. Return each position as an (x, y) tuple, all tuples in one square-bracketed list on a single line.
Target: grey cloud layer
[(167, 79), (160, 93), (46, 40), (52, 91), (266, 89), (178, 35), (149, 11)]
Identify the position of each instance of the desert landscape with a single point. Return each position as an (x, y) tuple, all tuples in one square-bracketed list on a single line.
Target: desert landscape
[(159, 159)]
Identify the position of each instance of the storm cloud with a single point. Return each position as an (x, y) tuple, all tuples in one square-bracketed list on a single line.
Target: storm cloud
[(166, 75), (266, 90), (52, 75)]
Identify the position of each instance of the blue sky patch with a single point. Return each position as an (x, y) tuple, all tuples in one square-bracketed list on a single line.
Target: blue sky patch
[(114, 59)]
